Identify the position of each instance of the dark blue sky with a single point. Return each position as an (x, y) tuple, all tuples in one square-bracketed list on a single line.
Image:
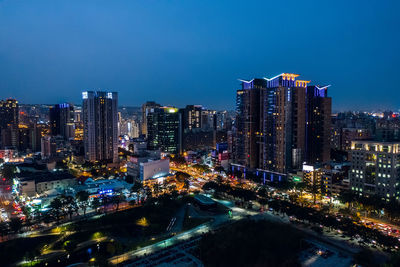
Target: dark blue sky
[(193, 52)]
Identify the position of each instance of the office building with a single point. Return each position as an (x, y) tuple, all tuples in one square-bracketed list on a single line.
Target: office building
[(375, 169), (208, 119), (191, 117), (164, 129), (129, 128), (318, 124), (146, 108), (9, 114), (223, 120), (197, 128), (61, 118), (353, 134), (100, 121), (248, 124)]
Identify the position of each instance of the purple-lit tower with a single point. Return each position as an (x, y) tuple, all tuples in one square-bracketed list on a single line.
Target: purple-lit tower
[(318, 124), (281, 122)]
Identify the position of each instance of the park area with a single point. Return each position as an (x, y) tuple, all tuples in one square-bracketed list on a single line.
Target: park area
[(97, 238)]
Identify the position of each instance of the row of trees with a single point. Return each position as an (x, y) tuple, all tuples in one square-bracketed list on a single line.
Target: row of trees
[(343, 223), (68, 205), (235, 192), (13, 226), (311, 215), (371, 204)]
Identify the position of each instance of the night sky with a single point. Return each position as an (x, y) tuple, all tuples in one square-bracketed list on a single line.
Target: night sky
[(193, 52)]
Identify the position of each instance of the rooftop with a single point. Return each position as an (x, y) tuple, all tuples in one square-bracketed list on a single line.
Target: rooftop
[(41, 177)]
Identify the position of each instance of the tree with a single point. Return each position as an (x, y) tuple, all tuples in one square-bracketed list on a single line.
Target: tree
[(210, 185), (201, 168), (136, 187), (56, 207), (219, 169), (117, 199), (70, 205), (186, 184), (237, 174), (181, 176), (347, 197), (263, 202), (9, 171), (15, 225), (314, 187), (61, 165), (83, 197), (156, 188), (96, 204), (26, 211), (105, 201), (129, 179), (263, 192), (178, 159), (69, 246), (3, 230), (148, 192), (219, 179), (87, 165), (32, 254), (392, 209), (300, 187)]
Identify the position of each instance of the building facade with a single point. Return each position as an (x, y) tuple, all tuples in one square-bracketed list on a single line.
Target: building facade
[(9, 114), (43, 182), (61, 117), (146, 108), (164, 130), (100, 121), (278, 122), (375, 169), (318, 124), (191, 117)]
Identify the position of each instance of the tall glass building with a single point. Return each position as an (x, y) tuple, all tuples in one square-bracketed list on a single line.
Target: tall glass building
[(100, 119), (61, 118), (164, 129)]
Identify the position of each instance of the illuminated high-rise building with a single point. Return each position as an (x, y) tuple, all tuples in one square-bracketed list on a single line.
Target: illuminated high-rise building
[(274, 124), (9, 114), (191, 117), (164, 129), (284, 123), (146, 108), (318, 124), (61, 118), (100, 121), (374, 169), (208, 119), (248, 124)]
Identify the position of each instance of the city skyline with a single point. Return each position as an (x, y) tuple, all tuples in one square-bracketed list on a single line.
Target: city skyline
[(128, 47), (173, 133)]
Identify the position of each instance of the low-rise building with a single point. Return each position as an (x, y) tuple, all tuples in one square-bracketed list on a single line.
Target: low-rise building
[(40, 182), (99, 187), (154, 169), (335, 178), (139, 171)]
